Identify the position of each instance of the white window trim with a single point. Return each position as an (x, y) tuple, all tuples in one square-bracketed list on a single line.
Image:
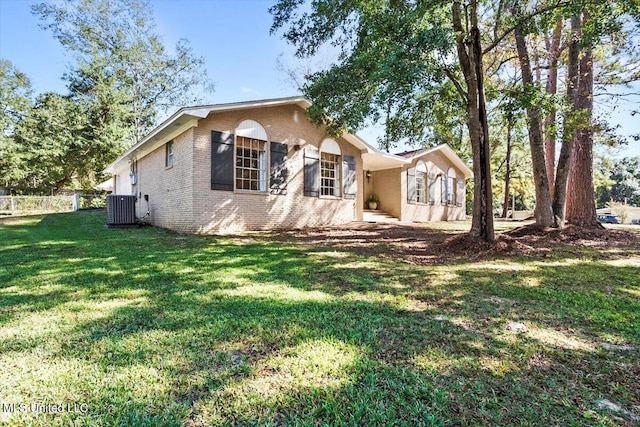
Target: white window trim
[(169, 155), (253, 131), (331, 147), (451, 187)]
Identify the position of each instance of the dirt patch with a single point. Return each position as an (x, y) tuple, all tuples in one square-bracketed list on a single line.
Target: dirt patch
[(421, 245)]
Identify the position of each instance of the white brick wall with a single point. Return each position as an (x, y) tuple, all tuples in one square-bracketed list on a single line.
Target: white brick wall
[(181, 198)]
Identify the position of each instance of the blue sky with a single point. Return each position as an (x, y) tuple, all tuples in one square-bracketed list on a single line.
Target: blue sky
[(232, 36)]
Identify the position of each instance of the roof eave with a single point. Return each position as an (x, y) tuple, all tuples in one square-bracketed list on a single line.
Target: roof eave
[(201, 112)]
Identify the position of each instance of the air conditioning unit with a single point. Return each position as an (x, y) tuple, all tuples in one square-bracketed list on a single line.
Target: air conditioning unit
[(121, 210)]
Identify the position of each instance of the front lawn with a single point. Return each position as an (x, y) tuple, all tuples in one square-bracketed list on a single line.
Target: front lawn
[(147, 327)]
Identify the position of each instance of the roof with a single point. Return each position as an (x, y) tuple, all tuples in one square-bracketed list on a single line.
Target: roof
[(412, 153), (187, 117)]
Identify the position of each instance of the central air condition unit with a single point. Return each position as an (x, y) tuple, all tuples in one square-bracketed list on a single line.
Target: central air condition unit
[(121, 210)]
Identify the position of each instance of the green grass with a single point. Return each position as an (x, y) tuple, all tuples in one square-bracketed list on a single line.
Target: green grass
[(148, 327)]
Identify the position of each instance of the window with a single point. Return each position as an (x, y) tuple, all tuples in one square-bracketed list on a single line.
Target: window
[(451, 187), (420, 188), (168, 154), (330, 174), (460, 193), (421, 173), (133, 173), (330, 168), (251, 164), (251, 157)]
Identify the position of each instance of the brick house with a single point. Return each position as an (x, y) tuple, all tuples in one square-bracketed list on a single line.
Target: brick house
[(262, 165)]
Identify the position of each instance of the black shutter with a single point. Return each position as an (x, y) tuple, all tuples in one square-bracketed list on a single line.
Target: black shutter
[(279, 171), (350, 185), (432, 188), (311, 172), (221, 161), (411, 185)]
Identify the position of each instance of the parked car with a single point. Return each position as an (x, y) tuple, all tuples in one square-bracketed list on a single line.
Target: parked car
[(609, 219)]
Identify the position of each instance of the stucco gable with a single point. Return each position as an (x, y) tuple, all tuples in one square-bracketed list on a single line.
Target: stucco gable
[(443, 149)]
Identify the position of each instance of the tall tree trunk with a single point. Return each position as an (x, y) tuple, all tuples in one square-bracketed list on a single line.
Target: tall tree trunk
[(507, 173), (470, 58), (543, 212), (566, 151), (581, 207), (551, 89)]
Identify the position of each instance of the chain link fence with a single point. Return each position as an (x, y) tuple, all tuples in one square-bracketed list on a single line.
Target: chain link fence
[(30, 205)]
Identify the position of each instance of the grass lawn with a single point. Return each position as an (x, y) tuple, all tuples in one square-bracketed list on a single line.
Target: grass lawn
[(148, 327)]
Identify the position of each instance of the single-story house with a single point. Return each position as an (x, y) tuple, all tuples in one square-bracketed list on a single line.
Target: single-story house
[(262, 165)]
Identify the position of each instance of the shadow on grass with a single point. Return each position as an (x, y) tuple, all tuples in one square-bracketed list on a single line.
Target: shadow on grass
[(189, 330)]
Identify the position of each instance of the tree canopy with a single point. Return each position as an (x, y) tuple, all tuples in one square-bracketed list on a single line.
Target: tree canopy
[(402, 63), (118, 51), (121, 80)]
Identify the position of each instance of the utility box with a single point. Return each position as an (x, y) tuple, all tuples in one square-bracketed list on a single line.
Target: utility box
[(121, 210)]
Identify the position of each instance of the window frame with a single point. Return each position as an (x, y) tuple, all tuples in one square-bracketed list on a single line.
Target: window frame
[(249, 136), (169, 155), (257, 174), (421, 173), (420, 188), (451, 187), (330, 177), (330, 153)]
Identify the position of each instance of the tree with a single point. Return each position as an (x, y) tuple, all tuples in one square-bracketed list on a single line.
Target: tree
[(623, 184), (581, 208), (551, 88), (57, 148), (396, 59), (569, 124), (543, 211), (470, 53), (15, 102), (118, 52)]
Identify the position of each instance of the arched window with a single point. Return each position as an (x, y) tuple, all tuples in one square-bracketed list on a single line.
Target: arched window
[(330, 171), (421, 178), (451, 187), (251, 156)]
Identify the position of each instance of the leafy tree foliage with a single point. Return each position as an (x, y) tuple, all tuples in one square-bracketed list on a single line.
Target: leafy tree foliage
[(397, 59), (15, 103), (624, 183), (121, 58), (55, 147), (123, 78)]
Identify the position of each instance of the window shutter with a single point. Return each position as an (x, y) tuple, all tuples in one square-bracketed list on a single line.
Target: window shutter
[(350, 185), (443, 190), (311, 172), (221, 161), (411, 185), (432, 188), (279, 172), (460, 193)]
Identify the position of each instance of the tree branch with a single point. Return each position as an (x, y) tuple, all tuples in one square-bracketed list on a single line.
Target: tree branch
[(456, 83), (521, 21)]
